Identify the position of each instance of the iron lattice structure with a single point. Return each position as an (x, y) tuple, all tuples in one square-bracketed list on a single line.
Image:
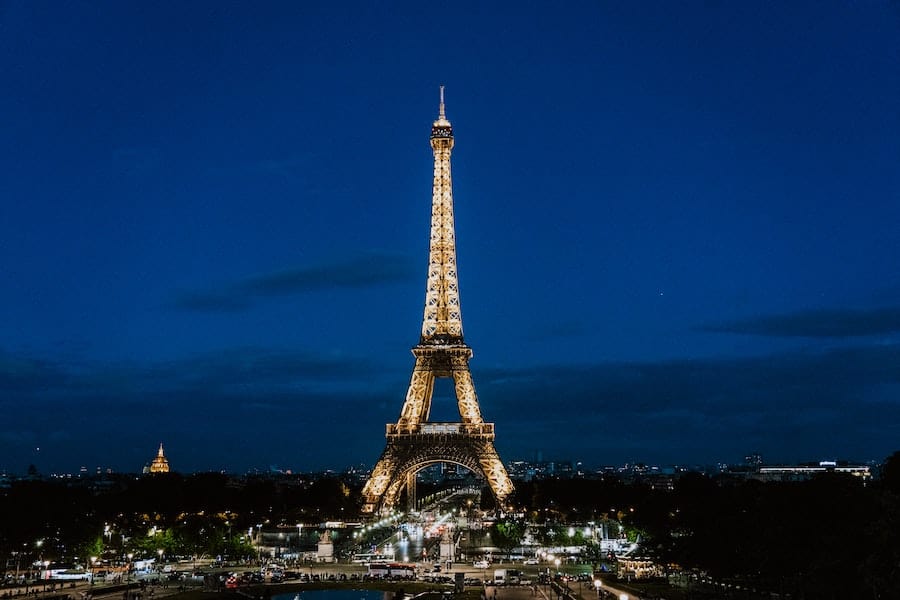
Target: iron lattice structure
[(414, 442)]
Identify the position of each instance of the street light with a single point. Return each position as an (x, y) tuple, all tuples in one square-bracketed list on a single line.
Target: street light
[(40, 544), (258, 543), (250, 538), (93, 560), (598, 584), (556, 565), (129, 567)]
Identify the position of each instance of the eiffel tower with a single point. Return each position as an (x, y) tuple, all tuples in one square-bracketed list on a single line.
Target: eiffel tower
[(415, 442)]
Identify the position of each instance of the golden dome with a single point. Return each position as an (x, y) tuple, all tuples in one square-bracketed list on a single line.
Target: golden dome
[(160, 464)]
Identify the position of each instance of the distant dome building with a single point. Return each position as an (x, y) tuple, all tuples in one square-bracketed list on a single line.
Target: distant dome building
[(160, 464)]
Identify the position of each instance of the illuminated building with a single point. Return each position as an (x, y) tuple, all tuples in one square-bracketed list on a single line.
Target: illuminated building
[(160, 463)]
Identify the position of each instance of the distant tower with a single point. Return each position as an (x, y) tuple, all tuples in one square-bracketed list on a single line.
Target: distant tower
[(160, 464), (413, 442)]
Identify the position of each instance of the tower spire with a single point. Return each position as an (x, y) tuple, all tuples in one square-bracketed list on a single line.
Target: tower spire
[(441, 127)]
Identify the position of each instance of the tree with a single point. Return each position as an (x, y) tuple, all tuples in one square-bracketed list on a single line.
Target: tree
[(593, 553), (890, 473), (92, 548), (507, 535)]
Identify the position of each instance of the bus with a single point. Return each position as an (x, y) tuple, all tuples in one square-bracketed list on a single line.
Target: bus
[(392, 570)]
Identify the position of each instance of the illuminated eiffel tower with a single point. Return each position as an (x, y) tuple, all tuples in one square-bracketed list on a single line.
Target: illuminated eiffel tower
[(414, 442)]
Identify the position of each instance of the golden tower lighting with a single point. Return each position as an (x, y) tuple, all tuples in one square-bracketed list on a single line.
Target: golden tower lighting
[(415, 442)]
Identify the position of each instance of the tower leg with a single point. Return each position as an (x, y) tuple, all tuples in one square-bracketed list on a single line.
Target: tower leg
[(411, 491)]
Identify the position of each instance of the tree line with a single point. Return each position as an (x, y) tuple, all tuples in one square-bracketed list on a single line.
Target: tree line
[(794, 537), (69, 520)]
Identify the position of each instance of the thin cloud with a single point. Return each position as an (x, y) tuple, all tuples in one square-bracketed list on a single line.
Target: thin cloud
[(360, 272), (252, 373), (788, 404), (366, 271), (834, 323), (787, 382), (802, 404), (223, 408)]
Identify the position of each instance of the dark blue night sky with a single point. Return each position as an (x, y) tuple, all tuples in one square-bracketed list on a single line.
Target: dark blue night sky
[(678, 228)]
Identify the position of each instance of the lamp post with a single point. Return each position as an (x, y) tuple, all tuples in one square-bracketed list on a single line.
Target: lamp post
[(258, 543), (299, 538), (556, 564), (18, 560), (93, 560), (129, 567), (46, 575), (40, 545)]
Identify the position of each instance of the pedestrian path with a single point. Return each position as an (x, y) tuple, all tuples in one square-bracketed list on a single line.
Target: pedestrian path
[(545, 592)]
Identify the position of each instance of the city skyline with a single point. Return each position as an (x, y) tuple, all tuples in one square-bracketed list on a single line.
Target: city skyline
[(520, 469), (676, 229)]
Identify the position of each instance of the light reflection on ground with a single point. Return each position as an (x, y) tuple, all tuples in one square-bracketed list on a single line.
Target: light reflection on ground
[(335, 595)]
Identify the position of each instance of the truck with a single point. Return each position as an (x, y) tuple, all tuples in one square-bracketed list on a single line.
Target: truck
[(499, 576)]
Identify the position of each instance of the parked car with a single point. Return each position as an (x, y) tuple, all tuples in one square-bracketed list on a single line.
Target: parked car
[(251, 577)]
